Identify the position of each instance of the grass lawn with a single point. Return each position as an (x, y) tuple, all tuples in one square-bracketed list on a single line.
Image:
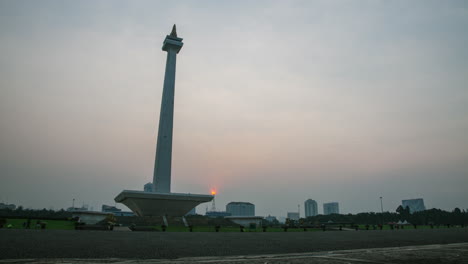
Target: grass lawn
[(275, 229), (231, 229), (51, 224), (69, 225), (387, 227)]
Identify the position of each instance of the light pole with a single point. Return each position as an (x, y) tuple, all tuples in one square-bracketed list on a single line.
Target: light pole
[(381, 209)]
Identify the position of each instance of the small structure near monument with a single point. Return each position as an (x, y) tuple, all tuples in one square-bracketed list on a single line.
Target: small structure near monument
[(90, 217), (246, 220)]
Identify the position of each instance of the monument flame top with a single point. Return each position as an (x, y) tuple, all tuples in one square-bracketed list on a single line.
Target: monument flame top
[(174, 31)]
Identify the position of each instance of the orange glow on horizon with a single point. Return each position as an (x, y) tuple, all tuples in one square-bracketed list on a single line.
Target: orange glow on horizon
[(213, 192)]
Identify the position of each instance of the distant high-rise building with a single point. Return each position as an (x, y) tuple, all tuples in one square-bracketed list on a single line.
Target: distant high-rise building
[(7, 206), (310, 207), (240, 209), (149, 187), (331, 208), (110, 209), (415, 205), (270, 218), (293, 215)]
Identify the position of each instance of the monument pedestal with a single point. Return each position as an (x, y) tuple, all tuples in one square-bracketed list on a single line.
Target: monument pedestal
[(161, 204)]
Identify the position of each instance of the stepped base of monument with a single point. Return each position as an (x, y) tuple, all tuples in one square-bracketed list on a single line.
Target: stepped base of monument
[(161, 204), (173, 221)]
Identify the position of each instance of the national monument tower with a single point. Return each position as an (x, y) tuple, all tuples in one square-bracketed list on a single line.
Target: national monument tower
[(162, 165), (161, 202)]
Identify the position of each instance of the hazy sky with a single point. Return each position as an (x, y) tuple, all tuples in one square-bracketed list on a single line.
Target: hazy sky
[(276, 101)]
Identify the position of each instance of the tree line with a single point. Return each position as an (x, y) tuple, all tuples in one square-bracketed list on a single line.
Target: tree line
[(426, 217), (20, 212)]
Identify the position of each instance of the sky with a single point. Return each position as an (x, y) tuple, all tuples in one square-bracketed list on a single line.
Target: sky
[(276, 102)]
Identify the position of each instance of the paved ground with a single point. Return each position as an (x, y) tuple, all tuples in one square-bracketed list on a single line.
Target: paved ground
[(427, 254), (53, 246)]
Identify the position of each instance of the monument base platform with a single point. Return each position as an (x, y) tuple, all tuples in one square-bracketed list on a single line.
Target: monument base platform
[(161, 204)]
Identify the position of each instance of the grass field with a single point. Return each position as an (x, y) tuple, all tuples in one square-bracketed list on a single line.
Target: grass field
[(231, 229), (69, 225), (276, 229), (387, 227), (50, 224)]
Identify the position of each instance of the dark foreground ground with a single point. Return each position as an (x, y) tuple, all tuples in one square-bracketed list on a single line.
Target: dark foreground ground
[(58, 244), (426, 254)]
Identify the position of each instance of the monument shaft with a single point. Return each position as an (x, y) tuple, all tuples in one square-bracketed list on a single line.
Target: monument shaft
[(162, 167), (160, 201)]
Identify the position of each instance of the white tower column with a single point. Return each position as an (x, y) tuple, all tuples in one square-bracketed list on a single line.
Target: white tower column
[(161, 201), (162, 167)]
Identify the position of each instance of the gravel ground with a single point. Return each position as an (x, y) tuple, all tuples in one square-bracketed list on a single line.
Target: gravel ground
[(57, 244)]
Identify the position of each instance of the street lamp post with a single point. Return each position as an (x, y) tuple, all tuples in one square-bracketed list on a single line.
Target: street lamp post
[(381, 209)]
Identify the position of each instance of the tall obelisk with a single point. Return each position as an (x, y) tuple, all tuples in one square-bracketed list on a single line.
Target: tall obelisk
[(162, 166), (161, 201)]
